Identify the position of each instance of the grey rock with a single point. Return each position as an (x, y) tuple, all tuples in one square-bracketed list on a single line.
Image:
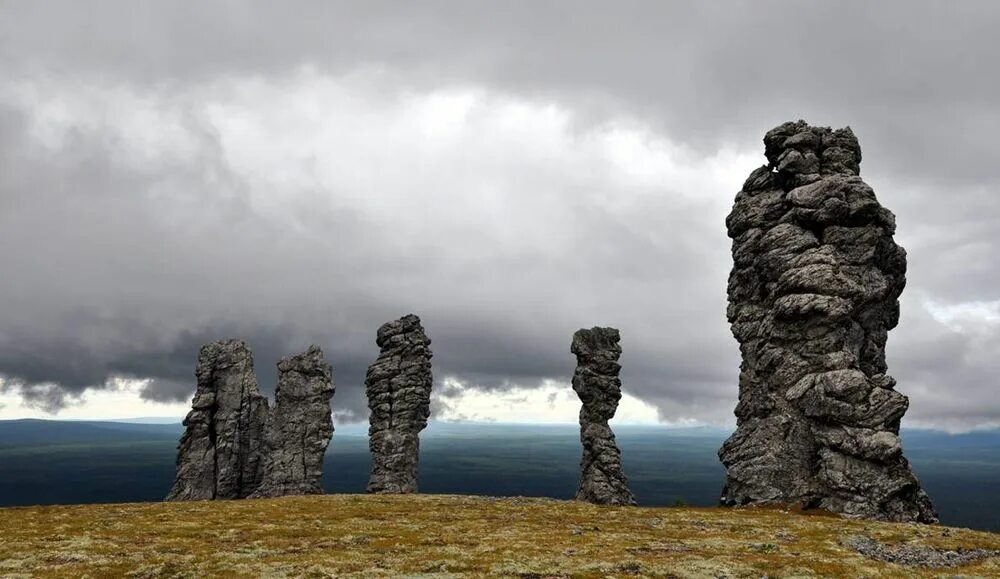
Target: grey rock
[(398, 386), (234, 447), (596, 382), (299, 427), (917, 555), (220, 452), (813, 294)]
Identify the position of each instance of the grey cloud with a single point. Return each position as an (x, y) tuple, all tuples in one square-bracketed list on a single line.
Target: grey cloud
[(951, 233), (98, 286), (116, 269), (49, 397), (118, 285), (50, 373), (949, 375), (910, 73), (909, 76), (167, 390)]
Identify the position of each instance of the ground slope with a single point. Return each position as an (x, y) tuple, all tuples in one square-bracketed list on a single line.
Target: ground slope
[(447, 536)]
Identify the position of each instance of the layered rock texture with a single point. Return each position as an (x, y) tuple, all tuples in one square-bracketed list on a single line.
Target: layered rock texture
[(596, 382), (398, 385), (299, 427), (235, 447), (220, 453), (812, 295)]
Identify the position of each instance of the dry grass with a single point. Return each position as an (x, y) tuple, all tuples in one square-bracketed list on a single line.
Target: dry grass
[(450, 536)]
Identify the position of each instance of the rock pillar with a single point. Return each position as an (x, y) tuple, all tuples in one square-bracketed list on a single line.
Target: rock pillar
[(299, 427), (813, 294), (220, 453), (398, 385), (597, 384)]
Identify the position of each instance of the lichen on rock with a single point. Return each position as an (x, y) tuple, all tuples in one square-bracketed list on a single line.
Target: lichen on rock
[(596, 382), (398, 385), (813, 294)]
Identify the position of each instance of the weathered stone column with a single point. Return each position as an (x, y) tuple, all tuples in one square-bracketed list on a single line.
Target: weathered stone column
[(596, 381), (812, 295), (219, 455), (299, 427), (399, 388)]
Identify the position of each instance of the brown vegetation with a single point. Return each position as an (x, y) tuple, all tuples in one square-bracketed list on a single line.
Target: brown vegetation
[(452, 536)]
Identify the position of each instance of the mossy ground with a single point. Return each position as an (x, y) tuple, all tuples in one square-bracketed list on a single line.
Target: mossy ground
[(450, 536)]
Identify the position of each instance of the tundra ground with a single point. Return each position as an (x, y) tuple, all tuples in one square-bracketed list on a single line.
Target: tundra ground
[(462, 536)]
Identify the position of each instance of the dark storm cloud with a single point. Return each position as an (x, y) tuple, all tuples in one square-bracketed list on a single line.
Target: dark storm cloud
[(913, 75), (97, 287), (122, 266), (126, 261)]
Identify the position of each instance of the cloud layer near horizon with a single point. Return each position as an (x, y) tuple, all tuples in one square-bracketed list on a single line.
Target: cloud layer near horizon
[(305, 174)]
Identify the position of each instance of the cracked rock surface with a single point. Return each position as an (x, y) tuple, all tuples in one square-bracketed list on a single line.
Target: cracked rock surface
[(220, 452), (813, 294), (398, 386), (299, 427), (596, 382)]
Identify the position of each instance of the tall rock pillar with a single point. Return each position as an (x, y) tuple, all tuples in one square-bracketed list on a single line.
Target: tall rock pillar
[(299, 427), (220, 453), (812, 295), (398, 385), (597, 384)]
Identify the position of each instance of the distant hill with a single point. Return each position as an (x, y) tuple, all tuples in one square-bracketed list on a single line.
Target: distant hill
[(460, 536)]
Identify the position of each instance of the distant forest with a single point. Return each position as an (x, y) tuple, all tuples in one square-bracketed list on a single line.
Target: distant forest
[(50, 462)]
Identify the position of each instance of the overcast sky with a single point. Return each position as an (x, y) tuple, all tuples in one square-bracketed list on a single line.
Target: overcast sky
[(296, 172)]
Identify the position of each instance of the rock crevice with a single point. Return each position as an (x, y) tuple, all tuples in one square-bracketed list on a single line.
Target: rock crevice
[(813, 294)]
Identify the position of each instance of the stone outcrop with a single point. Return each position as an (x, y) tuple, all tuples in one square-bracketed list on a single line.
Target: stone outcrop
[(812, 295), (299, 427), (220, 453), (597, 384), (398, 385)]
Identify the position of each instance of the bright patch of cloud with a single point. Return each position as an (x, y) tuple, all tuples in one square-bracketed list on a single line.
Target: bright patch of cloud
[(966, 316), (119, 399), (551, 402)]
